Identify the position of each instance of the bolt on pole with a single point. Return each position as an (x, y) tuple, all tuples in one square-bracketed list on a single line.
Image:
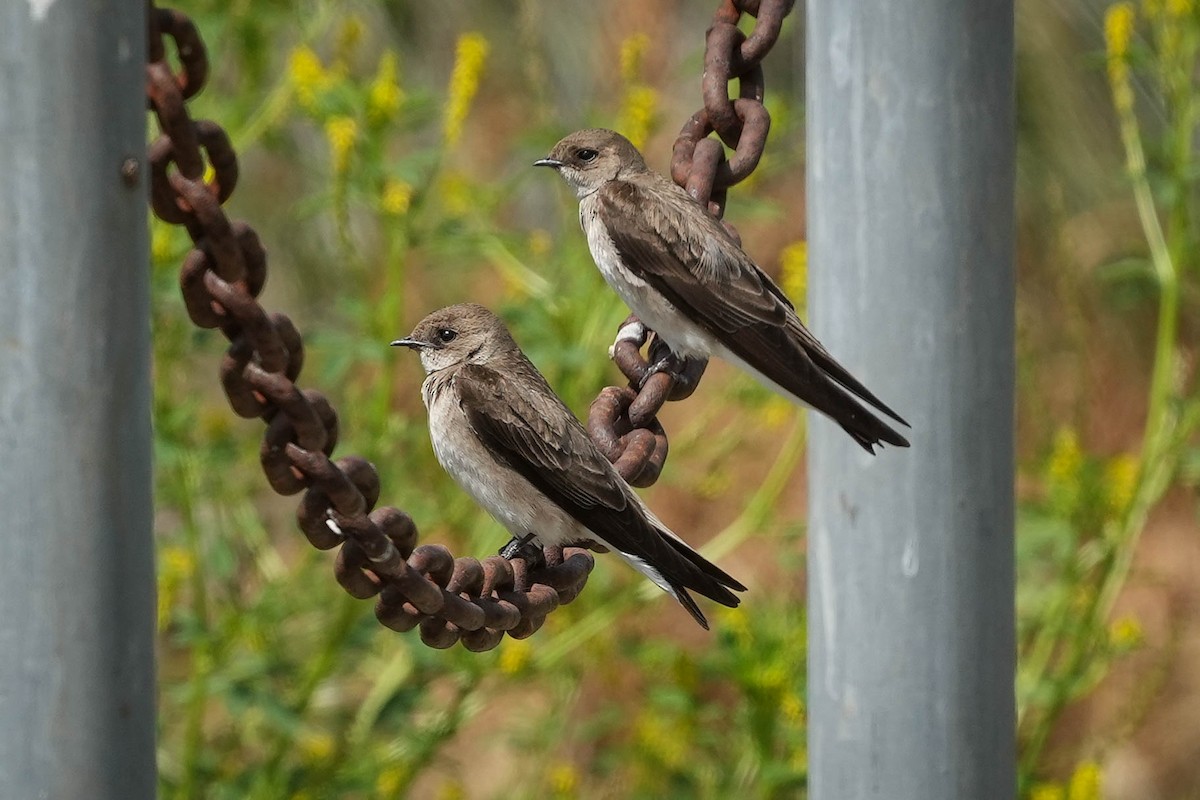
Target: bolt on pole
[(911, 143), (77, 574)]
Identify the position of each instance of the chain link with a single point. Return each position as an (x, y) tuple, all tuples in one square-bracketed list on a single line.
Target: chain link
[(450, 599), (623, 421)]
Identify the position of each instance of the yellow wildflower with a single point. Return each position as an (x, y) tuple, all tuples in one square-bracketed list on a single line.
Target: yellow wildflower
[(1179, 8), (452, 789), (306, 74), (1120, 482), (341, 132), (771, 677), (1085, 782), (161, 244), (633, 53), (637, 113), (176, 566), (514, 655), (1118, 31), (315, 746), (469, 56), (668, 743), (1048, 791), (737, 623), (1125, 633), (793, 271), (792, 707), (385, 96), (391, 781), (1064, 471), (396, 197), (775, 411), (564, 780)]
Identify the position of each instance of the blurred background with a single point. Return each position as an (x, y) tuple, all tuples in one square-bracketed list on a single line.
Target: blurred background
[(385, 151)]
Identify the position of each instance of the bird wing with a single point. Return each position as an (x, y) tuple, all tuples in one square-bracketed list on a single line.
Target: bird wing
[(707, 276), (535, 434)]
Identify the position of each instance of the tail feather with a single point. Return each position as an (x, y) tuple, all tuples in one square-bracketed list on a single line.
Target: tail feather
[(679, 568)]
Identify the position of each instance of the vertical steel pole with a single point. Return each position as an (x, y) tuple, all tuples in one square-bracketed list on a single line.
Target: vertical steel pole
[(910, 198), (76, 561)]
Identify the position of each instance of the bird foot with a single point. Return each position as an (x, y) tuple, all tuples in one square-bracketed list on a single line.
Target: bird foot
[(671, 364), (525, 548)]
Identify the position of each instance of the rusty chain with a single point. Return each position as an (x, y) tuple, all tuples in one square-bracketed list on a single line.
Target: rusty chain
[(449, 599), (623, 421)]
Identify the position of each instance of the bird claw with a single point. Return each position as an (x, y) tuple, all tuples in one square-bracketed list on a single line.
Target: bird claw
[(525, 548), (671, 364)]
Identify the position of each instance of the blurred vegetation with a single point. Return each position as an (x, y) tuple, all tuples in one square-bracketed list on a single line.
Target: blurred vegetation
[(384, 152)]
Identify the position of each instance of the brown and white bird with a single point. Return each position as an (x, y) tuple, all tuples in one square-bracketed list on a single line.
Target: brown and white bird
[(504, 435), (688, 280)]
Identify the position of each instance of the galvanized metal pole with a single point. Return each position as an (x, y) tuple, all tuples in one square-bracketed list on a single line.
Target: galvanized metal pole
[(910, 198), (76, 560)]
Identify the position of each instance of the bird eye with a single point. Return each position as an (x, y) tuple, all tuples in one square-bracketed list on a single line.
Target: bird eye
[(586, 155), (447, 335)]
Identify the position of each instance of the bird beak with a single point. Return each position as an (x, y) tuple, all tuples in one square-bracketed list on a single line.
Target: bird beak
[(411, 344), (548, 162)]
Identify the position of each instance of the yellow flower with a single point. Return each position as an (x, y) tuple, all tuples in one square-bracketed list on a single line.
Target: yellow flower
[(514, 655), (1125, 633), (391, 781), (1118, 31), (633, 53), (668, 743), (176, 565), (737, 623), (341, 132), (1064, 470), (306, 74), (775, 411), (315, 746), (792, 707), (385, 96), (564, 780), (396, 197), (1179, 8), (452, 789), (469, 56), (161, 244), (637, 113), (793, 271), (1120, 481), (1048, 791), (1085, 782), (771, 677)]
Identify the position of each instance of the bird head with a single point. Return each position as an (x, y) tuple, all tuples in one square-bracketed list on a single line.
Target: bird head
[(590, 158), (456, 335)]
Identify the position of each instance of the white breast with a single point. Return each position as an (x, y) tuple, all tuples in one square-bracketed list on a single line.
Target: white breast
[(502, 492)]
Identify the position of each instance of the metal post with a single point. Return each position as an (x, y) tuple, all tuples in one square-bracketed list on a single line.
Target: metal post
[(910, 198), (76, 560)]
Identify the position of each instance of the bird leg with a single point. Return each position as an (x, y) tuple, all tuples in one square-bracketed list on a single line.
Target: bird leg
[(671, 364), (526, 548)]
